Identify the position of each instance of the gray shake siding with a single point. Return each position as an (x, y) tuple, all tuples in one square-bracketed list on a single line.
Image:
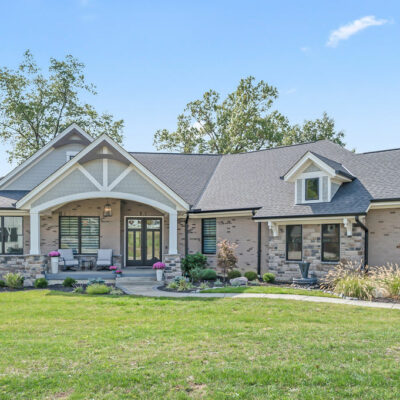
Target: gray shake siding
[(44, 168)]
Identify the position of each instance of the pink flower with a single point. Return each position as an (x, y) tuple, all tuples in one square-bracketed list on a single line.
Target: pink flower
[(54, 253), (159, 265), (118, 271), (113, 268)]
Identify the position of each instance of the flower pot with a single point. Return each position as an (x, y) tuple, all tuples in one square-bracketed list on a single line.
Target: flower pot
[(54, 265), (160, 273)]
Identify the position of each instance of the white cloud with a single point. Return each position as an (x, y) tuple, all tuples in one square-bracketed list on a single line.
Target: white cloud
[(346, 31), (305, 49)]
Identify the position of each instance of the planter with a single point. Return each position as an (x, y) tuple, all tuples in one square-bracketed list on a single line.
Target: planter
[(160, 275), (54, 265)]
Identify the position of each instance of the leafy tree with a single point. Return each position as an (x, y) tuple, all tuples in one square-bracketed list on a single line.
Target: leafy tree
[(226, 257), (243, 121), (34, 108)]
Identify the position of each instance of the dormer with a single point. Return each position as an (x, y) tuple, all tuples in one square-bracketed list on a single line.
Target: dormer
[(316, 178)]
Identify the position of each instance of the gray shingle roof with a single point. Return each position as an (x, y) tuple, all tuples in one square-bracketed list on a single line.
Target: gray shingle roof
[(8, 198), (247, 180), (186, 174)]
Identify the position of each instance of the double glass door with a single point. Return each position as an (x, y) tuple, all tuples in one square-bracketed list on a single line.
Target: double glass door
[(143, 241)]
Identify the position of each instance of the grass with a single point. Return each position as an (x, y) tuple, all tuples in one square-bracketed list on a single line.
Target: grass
[(268, 290), (67, 346)]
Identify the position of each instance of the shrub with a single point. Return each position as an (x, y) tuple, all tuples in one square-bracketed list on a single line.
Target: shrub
[(218, 283), (226, 257), (388, 278), (40, 283), (98, 288), (208, 274), (251, 275), (235, 273), (184, 285), (2, 283), (269, 277), (350, 280), (196, 274), (204, 286), (116, 292), (173, 285), (69, 282), (192, 261), (14, 281), (78, 289)]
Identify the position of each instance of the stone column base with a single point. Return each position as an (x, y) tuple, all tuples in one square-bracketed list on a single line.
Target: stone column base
[(172, 266)]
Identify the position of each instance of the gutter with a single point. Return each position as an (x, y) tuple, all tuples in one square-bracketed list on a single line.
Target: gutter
[(310, 216), (364, 227), (186, 235), (200, 211)]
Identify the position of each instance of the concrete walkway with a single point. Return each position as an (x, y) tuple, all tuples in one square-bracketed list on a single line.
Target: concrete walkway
[(152, 291)]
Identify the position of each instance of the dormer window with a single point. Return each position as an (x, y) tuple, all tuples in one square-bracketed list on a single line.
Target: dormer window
[(311, 189)]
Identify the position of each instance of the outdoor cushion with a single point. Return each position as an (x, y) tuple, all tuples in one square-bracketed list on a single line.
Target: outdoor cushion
[(67, 257), (104, 258)]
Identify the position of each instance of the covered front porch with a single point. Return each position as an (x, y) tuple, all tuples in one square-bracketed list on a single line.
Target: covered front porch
[(138, 234)]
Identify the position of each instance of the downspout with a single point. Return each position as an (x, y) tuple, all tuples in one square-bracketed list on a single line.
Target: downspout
[(258, 245), (186, 235), (365, 229)]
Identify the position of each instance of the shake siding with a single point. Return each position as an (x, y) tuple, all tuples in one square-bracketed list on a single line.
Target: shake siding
[(34, 175)]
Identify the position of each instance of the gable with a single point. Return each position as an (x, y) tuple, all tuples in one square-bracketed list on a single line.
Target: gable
[(46, 160)]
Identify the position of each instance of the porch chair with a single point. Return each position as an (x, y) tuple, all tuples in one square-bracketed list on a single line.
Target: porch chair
[(68, 259), (104, 259)]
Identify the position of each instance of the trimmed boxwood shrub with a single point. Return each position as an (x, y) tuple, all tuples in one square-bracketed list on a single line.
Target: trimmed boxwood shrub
[(69, 282), (251, 275), (208, 274), (40, 283), (235, 273), (269, 277)]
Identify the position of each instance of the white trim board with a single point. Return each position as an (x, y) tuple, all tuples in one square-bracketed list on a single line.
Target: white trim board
[(27, 200)]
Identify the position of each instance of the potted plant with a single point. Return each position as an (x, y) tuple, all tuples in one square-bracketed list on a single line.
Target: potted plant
[(54, 257), (159, 267), (113, 269), (118, 272)]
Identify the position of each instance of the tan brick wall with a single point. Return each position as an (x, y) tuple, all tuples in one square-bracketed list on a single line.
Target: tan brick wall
[(351, 249), (384, 236), (87, 208), (241, 230)]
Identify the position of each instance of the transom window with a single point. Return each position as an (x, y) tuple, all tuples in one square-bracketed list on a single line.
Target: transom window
[(330, 242), (311, 189), (294, 243), (209, 236), (81, 234), (11, 235)]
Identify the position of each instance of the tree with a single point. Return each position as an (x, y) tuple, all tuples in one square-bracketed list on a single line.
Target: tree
[(243, 121), (34, 108), (226, 257)]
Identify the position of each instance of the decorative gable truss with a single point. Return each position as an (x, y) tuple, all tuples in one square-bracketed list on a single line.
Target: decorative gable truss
[(316, 178)]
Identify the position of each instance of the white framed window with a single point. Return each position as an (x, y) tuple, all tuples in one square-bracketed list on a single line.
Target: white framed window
[(70, 155)]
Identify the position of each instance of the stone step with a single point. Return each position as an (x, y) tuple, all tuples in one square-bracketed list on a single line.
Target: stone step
[(137, 280)]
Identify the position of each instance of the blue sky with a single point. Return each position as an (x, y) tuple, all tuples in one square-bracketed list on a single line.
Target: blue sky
[(149, 58)]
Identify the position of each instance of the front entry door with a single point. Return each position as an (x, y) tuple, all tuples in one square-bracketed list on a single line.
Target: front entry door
[(143, 241)]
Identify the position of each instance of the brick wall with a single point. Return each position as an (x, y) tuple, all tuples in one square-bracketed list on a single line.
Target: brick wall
[(384, 236), (351, 249)]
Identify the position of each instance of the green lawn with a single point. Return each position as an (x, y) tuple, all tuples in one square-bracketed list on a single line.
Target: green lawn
[(65, 346), (269, 290)]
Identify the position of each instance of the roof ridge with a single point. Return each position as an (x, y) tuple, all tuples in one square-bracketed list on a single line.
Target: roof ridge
[(378, 151), (207, 183)]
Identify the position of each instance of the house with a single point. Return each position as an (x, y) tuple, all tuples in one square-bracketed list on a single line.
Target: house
[(315, 202)]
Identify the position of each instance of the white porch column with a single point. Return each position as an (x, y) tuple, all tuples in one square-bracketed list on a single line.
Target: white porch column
[(35, 233), (173, 232)]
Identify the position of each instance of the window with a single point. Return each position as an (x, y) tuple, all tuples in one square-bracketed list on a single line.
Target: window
[(71, 154), (330, 242), (312, 189), (209, 236), (81, 234), (294, 243), (11, 235)]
